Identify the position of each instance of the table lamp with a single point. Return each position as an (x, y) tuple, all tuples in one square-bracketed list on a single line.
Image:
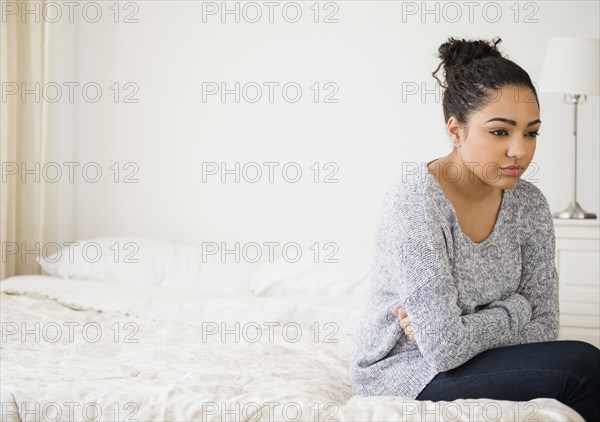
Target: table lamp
[(571, 68)]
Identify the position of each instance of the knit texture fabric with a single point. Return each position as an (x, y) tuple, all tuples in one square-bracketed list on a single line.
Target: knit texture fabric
[(462, 297)]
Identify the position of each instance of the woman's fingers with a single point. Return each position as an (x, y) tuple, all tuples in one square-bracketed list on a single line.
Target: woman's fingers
[(405, 323), (408, 329), (399, 312)]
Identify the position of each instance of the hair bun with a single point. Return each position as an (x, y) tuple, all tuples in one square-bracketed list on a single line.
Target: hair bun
[(454, 52)]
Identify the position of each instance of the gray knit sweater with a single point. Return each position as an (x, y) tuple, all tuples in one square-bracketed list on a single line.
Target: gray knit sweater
[(462, 297)]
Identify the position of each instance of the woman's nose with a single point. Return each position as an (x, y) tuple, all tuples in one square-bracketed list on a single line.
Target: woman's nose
[(518, 147)]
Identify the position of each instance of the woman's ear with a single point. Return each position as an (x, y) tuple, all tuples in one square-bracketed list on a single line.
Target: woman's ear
[(454, 129)]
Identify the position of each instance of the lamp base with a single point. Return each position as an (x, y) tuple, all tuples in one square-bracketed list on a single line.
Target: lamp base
[(574, 211)]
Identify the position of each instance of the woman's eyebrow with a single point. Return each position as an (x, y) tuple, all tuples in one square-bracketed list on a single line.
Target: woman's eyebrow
[(512, 122)]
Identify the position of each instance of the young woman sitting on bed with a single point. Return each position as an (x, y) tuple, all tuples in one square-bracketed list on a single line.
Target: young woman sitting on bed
[(463, 300)]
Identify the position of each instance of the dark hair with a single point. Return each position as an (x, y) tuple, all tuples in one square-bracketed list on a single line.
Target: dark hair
[(472, 69)]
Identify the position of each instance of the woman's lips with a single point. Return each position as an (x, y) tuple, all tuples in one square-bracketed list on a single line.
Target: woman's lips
[(512, 171)]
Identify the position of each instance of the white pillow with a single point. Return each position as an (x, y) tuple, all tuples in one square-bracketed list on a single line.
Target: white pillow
[(146, 262), (349, 276)]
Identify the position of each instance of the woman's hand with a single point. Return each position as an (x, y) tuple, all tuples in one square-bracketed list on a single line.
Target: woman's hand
[(405, 323)]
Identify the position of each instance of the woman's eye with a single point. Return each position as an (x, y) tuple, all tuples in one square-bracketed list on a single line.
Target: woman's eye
[(502, 132)]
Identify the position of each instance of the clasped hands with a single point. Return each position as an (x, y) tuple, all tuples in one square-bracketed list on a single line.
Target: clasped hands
[(405, 323)]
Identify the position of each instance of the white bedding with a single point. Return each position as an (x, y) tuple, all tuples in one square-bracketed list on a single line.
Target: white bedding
[(156, 355)]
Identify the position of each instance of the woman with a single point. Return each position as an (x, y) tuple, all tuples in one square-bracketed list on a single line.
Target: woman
[(463, 300)]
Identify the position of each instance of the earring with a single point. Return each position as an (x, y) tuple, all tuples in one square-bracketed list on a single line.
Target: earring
[(456, 142)]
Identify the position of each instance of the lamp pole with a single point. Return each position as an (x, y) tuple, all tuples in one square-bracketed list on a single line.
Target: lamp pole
[(574, 210)]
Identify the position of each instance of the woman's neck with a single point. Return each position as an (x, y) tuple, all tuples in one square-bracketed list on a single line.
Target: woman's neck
[(455, 177)]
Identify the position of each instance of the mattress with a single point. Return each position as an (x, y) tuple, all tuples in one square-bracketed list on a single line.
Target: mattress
[(77, 350)]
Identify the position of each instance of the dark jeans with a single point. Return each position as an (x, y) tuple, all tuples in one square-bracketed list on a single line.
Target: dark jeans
[(565, 370)]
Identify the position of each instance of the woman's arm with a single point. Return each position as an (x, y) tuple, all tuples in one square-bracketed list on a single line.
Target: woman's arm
[(514, 303)]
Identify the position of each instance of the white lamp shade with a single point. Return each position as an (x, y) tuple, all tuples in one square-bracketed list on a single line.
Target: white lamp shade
[(571, 66)]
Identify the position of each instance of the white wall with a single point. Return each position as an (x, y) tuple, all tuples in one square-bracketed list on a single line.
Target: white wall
[(370, 53)]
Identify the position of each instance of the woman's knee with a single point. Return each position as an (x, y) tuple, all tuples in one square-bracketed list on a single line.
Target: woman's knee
[(579, 357)]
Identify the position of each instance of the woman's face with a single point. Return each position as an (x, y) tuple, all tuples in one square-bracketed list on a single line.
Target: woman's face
[(502, 134)]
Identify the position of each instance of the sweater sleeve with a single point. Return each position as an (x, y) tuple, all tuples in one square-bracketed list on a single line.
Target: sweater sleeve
[(539, 276), (414, 238)]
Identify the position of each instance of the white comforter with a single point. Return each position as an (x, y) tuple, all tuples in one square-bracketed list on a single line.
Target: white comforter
[(157, 355)]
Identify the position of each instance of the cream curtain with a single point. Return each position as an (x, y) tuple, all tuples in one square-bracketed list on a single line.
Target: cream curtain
[(21, 136)]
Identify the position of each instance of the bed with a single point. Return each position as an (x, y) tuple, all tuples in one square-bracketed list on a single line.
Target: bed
[(92, 349)]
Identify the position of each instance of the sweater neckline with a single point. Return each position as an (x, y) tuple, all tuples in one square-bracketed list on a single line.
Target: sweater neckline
[(450, 208)]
